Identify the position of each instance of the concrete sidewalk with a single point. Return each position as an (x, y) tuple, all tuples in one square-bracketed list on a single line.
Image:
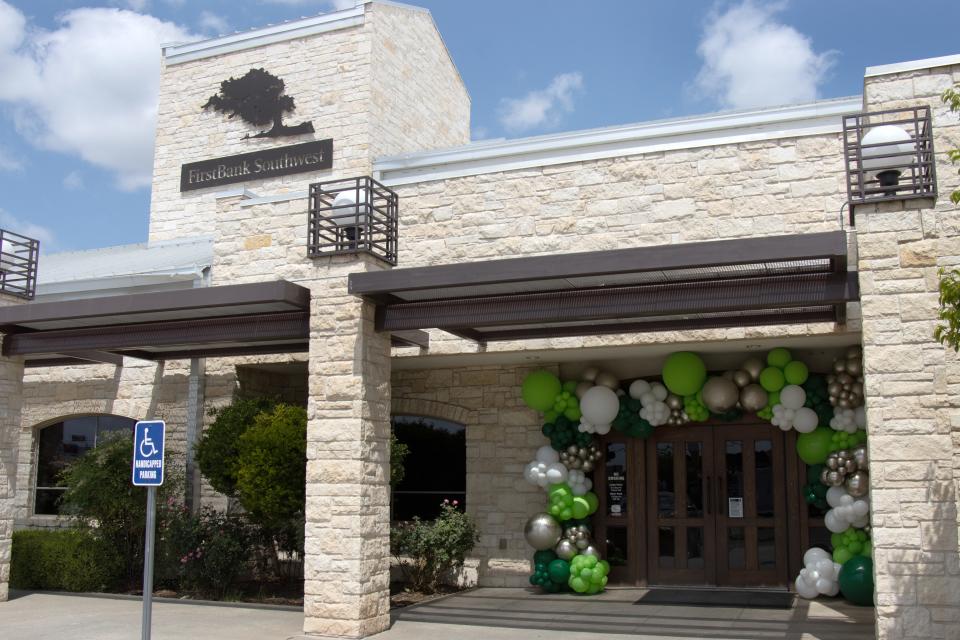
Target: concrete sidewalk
[(482, 614)]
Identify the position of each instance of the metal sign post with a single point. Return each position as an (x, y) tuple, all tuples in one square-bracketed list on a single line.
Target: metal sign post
[(148, 440)]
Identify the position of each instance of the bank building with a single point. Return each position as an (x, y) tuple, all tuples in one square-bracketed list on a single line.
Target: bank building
[(343, 245)]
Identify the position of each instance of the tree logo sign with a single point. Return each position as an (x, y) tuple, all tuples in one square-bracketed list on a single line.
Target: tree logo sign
[(258, 98)]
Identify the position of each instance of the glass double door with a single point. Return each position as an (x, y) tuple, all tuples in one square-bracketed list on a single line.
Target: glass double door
[(716, 512)]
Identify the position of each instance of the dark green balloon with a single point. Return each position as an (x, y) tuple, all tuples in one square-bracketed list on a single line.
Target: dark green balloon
[(559, 571), (544, 557), (856, 580)]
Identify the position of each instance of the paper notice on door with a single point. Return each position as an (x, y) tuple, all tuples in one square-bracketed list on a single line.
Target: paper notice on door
[(735, 507)]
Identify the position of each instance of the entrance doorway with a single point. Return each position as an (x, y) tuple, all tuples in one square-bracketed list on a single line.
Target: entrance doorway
[(717, 515), (714, 504)]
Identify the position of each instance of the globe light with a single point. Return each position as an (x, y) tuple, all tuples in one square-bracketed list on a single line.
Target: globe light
[(895, 145), (346, 212)]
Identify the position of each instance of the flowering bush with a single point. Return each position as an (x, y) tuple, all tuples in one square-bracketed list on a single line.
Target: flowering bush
[(428, 549), (205, 553)]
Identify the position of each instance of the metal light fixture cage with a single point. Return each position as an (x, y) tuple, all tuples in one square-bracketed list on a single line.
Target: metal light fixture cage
[(18, 264), (918, 176), (364, 222)]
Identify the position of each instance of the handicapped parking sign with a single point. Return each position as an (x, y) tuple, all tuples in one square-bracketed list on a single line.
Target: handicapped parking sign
[(148, 453)]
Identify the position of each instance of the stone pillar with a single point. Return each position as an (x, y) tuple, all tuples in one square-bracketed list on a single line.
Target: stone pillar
[(910, 386), (347, 536), (11, 392)]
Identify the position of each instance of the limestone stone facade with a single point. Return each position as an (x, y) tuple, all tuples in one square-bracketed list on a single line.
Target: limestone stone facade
[(380, 82)]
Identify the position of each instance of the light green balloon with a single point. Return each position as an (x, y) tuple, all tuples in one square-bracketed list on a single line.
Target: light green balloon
[(540, 390), (771, 379), (778, 358), (684, 373), (796, 372)]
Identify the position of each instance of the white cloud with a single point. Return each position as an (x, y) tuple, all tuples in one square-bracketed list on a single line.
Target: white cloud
[(73, 181), (212, 23), (38, 232), (542, 108), (88, 87), (335, 5), (8, 162), (751, 60)]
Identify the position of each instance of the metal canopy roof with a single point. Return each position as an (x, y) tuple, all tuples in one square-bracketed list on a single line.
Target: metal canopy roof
[(263, 317), (744, 282)]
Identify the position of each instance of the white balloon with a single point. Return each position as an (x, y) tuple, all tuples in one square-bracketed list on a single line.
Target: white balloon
[(861, 508), (599, 405), (659, 391), (805, 589), (547, 454), (556, 473), (638, 388), (582, 388), (805, 420), (860, 417), (793, 396), (579, 483), (834, 494), (844, 420), (835, 524), (589, 374), (603, 429), (647, 398), (814, 555)]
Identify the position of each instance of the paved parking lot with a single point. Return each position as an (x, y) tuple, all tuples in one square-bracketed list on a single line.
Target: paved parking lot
[(482, 614)]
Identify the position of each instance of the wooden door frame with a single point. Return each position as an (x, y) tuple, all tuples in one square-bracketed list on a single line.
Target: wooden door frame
[(635, 572)]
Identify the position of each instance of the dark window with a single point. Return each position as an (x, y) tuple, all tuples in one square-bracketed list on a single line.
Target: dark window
[(435, 468), (63, 442)]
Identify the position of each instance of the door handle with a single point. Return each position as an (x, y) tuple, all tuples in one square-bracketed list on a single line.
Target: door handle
[(708, 498), (718, 502)]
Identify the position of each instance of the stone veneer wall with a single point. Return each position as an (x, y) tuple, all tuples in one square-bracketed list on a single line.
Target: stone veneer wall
[(387, 86), (11, 377), (912, 384), (502, 436), (137, 390)]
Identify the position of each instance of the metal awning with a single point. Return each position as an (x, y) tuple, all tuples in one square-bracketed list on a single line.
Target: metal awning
[(726, 283), (257, 318)]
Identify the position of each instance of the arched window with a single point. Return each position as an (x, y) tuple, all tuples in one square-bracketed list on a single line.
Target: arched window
[(60, 444), (435, 468)]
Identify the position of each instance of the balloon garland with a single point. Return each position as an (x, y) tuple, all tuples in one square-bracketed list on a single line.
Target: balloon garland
[(826, 411)]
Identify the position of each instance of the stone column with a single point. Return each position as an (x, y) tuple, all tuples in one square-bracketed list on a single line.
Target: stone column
[(347, 536), (910, 386), (11, 392)]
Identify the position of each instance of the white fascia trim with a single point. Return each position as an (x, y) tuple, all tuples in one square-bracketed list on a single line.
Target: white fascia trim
[(180, 53), (912, 65), (242, 192), (280, 197), (115, 282), (818, 118)]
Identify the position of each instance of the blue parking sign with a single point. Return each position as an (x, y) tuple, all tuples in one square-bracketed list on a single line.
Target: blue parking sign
[(148, 453)]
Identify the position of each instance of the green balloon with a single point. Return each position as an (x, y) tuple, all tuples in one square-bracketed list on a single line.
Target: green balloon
[(581, 508), (778, 358), (572, 414), (684, 373), (814, 447), (545, 556), (772, 379), (559, 571), (841, 555), (540, 390), (796, 372), (570, 386), (856, 580), (592, 500), (813, 473)]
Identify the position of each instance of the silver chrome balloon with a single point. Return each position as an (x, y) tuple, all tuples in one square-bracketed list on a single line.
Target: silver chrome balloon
[(565, 549), (753, 366), (674, 402), (719, 394), (590, 551), (542, 531), (742, 378), (753, 398), (858, 484), (860, 455)]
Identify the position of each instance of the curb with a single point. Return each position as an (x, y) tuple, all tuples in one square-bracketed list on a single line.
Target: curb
[(18, 593)]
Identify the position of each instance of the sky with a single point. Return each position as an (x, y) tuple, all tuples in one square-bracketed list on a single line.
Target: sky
[(78, 78)]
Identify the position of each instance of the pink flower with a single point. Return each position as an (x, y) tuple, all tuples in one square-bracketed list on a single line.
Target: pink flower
[(455, 503)]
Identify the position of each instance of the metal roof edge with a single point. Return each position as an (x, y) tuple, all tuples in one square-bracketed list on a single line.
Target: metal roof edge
[(815, 118), (911, 65), (186, 52)]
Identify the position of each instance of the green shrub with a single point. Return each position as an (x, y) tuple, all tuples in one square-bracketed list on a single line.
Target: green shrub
[(105, 504), (67, 559), (217, 452), (428, 549), (272, 470), (206, 553)]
